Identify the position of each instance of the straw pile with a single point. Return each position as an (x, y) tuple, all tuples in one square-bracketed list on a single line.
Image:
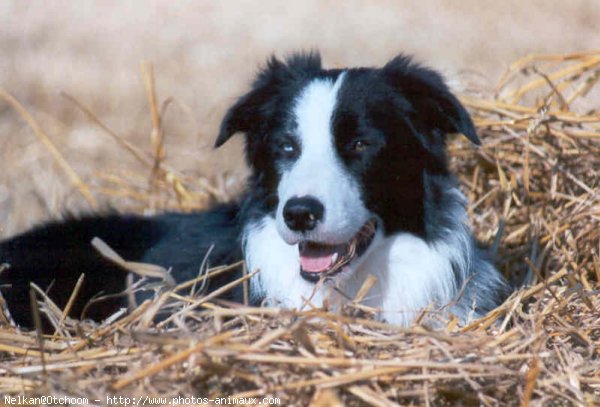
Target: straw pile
[(535, 197)]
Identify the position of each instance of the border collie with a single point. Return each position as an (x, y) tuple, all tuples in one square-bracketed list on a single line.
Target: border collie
[(349, 179)]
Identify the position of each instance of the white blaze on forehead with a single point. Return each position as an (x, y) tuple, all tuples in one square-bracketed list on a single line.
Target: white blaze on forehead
[(319, 171), (314, 111)]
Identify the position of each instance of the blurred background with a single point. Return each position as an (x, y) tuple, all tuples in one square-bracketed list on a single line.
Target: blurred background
[(204, 54)]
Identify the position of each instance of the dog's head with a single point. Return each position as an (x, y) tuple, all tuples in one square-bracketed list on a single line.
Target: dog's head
[(339, 157)]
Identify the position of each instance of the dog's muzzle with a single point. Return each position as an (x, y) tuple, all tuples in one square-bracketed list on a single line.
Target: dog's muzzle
[(318, 259)]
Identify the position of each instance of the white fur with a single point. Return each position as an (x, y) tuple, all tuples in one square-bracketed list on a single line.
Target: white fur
[(411, 274), (278, 280), (318, 171)]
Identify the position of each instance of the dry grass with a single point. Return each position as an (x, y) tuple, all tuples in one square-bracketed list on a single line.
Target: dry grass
[(534, 189), (205, 53)]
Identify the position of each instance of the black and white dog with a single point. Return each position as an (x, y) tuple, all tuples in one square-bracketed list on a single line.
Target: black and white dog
[(349, 179)]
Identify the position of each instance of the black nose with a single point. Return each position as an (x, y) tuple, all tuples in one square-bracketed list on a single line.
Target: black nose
[(302, 214)]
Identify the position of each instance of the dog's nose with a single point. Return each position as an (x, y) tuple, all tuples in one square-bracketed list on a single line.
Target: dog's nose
[(302, 214)]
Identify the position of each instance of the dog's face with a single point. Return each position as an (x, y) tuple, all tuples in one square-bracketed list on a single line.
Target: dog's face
[(339, 156)]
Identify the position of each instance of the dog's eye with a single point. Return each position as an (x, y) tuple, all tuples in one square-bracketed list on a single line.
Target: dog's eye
[(359, 146), (287, 146)]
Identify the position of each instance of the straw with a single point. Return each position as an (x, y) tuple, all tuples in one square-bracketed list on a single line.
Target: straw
[(534, 192)]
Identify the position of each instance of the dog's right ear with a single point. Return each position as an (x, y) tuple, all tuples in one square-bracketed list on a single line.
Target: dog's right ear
[(241, 116), (250, 111), (237, 118)]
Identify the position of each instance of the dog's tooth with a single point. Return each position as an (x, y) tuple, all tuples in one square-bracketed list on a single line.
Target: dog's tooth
[(334, 258)]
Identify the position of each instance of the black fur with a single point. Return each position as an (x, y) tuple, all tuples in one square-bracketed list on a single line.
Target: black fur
[(54, 255), (404, 107), (400, 114)]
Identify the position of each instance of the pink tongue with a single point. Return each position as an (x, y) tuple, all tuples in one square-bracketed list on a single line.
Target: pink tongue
[(318, 258), (316, 264)]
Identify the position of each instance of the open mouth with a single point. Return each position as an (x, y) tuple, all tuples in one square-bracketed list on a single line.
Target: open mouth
[(324, 260)]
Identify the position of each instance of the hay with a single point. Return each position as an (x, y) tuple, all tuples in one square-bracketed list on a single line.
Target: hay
[(534, 192)]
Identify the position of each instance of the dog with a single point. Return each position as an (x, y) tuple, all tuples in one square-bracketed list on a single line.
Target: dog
[(349, 179)]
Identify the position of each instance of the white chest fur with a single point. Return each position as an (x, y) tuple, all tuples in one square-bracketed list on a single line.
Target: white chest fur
[(411, 274)]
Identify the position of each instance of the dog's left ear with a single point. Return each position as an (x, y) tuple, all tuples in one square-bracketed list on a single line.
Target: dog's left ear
[(426, 89)]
